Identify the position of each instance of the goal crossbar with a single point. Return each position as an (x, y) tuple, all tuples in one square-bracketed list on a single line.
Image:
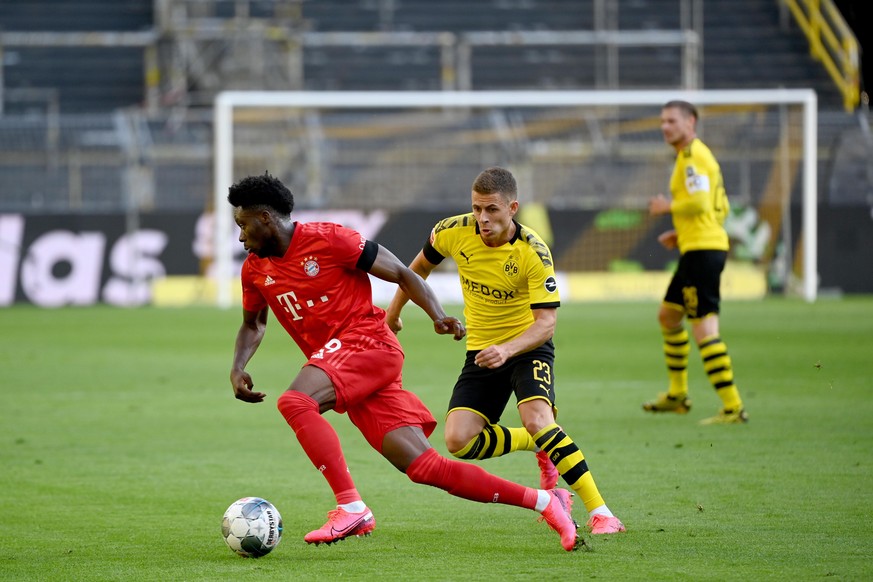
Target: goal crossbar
[(226, 102)]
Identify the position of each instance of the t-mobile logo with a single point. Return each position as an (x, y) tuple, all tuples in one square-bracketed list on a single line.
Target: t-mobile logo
[(290, 303)]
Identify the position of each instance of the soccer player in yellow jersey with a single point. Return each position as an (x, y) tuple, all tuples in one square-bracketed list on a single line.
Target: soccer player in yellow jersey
[(510, 305), (699, 206)]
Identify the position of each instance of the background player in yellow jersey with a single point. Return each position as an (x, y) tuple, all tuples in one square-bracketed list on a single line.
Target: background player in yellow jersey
[(699, 206), (510, 305)]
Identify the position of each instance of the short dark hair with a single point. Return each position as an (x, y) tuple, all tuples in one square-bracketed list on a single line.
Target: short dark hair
[(684, 106), (493, 180), (264, 190)]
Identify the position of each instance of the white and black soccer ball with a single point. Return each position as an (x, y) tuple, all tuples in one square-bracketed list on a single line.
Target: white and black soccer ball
[(252, 527)]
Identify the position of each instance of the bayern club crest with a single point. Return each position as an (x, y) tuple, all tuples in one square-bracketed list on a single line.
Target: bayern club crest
[(310, 266)]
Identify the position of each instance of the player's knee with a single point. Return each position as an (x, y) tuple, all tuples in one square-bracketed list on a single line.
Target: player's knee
[(670, 317), (292, 403), (535, 425), (536, 414), (668, 321), (456, 444)]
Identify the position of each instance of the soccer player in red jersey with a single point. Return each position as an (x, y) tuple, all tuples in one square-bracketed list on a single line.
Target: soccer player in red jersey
[(314, 278)]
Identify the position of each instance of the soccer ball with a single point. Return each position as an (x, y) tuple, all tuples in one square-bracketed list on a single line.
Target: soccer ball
[(252, 527)]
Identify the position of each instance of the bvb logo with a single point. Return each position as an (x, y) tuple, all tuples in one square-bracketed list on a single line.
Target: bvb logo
[(510, 268)]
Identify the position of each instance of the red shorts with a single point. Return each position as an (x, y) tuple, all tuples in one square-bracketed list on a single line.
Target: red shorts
[(366, 375)]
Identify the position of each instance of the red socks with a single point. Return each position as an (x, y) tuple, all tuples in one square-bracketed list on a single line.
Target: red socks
[(320, 443), (468, 481)]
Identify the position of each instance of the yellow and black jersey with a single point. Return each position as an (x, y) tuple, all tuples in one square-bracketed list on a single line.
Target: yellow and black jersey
[(500, 284), (700, 203)]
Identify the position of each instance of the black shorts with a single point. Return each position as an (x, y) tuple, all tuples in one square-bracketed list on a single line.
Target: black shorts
[(696, 282), (487, 391)]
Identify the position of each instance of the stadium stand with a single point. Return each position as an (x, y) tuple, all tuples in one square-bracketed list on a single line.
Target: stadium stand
[(745, 46), (105, 105), (84, 78), (68, 100)]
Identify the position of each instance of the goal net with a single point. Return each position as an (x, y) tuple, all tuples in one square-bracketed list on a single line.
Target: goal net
[(586, 164)]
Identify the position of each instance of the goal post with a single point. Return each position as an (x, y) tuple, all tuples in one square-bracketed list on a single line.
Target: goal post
[(306, 106)]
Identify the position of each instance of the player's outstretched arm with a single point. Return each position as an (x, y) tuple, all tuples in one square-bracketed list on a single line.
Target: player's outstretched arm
[(248, 338), (421, 267), (389, 268)]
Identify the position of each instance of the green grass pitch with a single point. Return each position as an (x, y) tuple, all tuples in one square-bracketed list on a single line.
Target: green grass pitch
[(121, 446)]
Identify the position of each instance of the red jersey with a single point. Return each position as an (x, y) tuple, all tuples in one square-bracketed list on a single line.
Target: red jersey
[(316, 290)]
